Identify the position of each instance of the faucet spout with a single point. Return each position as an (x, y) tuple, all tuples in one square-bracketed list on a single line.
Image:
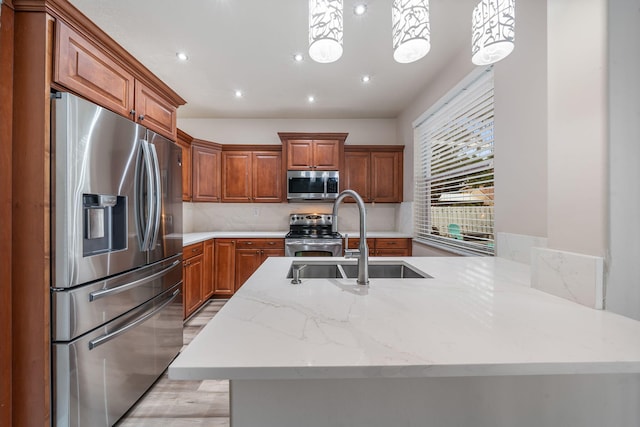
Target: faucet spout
[(363, 249)]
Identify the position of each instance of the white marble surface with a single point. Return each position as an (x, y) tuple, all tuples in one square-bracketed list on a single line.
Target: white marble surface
[(517, 247), (478, 316), (190, 238), (576, 277)]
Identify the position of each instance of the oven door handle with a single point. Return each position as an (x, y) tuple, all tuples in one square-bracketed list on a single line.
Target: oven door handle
[(108, 337)]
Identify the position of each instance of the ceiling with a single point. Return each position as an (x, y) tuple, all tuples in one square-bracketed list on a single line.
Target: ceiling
[(249, 45)]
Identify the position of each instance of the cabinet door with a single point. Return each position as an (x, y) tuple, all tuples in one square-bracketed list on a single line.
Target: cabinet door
[(267, 177), (206, 174), (247, 262), (193, 277), (224, 269), (357, 165), (236, 176), (326, 155), (86, 70), (386, 177), (185, 145), (208, 273), (300, 155), (154, 112)]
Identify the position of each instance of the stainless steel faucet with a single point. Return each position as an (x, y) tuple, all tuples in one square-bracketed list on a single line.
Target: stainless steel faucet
[(363, 250)]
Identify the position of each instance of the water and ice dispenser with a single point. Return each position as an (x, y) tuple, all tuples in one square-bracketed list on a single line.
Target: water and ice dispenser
[(105, 224)]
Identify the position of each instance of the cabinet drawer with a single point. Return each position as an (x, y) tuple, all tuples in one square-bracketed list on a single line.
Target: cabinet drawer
[(260, 243), (354, 243), (192, 250), (392, 243)]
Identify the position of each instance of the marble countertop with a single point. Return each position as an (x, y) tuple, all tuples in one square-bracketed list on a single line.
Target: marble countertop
[(477, 316), (190, 238)]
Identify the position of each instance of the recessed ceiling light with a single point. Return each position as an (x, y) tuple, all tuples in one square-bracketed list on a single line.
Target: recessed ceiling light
[(298, 57), (360, 9), (311, 98), (182, 56), (238, 94), (366, 79)]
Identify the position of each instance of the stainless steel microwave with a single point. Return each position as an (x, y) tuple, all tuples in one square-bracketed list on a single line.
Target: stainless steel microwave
[(312, 185)]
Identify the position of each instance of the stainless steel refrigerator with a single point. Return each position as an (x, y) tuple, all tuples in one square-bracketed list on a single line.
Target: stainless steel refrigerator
[(116, 295)]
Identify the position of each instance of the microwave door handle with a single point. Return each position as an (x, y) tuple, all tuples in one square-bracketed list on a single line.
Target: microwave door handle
[(149, 205), (157, 199)]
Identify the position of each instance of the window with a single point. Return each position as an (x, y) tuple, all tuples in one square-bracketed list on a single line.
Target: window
[(453, 194)]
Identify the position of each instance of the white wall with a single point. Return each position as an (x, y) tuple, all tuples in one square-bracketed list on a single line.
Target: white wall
[(265, 131), (577, 138), (623, 280), (520, 105)]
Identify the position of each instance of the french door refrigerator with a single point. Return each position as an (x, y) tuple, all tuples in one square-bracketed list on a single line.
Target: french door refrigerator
[(116, 292)]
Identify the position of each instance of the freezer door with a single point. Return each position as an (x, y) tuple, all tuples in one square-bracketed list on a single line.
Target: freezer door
[(99, 376), (95, 160), (166, 236), (79, 310)]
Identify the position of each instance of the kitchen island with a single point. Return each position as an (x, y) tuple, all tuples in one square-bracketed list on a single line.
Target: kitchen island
[(472, 346)]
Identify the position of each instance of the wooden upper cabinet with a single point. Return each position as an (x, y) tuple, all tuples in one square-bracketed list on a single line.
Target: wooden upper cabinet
[(252, 176), (386, 177), (267, 176), (357, 174), (85, 69), (236, 176), (326, 155), (313, 151), (88, 68), (206, 164), (313, 155), (184, 141), (153, 112), (375, 172), (300, 155)]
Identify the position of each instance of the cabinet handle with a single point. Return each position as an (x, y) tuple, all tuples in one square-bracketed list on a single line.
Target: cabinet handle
[(392, 243), (272, 243), (141, 117), (249, 243), (132, 112), (194, 250)]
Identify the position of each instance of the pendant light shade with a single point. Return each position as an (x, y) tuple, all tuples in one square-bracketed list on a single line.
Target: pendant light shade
[(493, 33), (411, 32), (325, 30)]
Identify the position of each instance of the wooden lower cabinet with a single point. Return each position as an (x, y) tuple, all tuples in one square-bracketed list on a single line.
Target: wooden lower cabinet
[(235, 260), (192, 277), (224, 267), (251, 253), (209, 271), (400, 247), (198, 275)]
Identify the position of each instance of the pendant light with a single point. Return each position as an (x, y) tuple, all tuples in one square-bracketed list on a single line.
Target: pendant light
[(492, 27), (325, 30), (411, 32)]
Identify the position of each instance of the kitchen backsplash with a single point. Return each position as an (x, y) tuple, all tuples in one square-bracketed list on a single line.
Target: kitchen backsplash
[(199, 217)]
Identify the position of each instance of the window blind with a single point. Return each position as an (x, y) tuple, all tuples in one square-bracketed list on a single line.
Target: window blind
[(453, 194)]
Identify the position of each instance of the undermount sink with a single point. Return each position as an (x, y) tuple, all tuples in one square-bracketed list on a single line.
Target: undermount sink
[(348, 270)]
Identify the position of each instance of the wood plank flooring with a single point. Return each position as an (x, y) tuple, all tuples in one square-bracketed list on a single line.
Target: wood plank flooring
[(170, 403)]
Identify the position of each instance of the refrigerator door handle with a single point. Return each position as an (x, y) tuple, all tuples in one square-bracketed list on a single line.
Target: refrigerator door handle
[(108, 337), (157, 200), (150, 207), (105, 292)]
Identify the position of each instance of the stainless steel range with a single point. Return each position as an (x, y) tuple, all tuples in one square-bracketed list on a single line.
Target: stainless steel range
[(311, 235)]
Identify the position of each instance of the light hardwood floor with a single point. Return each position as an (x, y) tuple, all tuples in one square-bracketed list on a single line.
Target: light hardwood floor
[(170, 403)]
